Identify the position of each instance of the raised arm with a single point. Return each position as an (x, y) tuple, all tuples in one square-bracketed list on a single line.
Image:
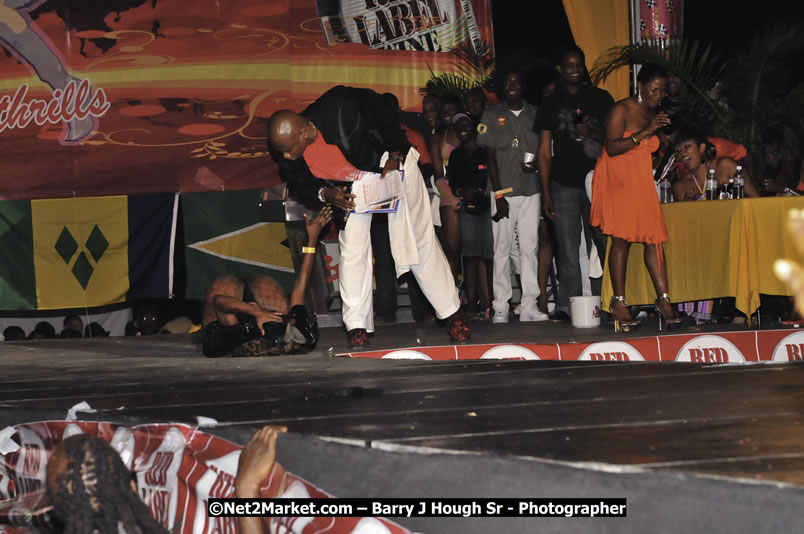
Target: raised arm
[(255, 463), (313, 229)]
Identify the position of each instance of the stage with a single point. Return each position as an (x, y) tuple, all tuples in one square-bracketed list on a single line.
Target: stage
[(693, 446)]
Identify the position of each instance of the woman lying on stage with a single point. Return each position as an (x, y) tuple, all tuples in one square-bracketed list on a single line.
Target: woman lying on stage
[(252, 316)]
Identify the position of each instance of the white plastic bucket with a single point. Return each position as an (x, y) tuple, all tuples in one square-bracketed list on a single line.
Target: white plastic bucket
[(585, 312)]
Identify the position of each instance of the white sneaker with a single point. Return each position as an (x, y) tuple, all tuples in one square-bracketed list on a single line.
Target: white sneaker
[(529, 313), (500, 317)]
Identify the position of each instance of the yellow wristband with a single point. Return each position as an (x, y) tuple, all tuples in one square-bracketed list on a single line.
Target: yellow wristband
[(308, 250)]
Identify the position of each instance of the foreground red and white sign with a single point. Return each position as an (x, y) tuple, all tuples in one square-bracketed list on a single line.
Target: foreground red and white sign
[(725, 347), (178, 469)]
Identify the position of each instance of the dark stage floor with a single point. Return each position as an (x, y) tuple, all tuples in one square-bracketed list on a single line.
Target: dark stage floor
[(738, 421)]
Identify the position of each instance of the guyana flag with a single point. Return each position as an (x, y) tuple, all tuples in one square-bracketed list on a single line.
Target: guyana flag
[(223, 235), (83, 252)]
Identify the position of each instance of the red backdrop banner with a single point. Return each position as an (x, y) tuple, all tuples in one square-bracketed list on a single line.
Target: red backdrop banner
[(135, 96)]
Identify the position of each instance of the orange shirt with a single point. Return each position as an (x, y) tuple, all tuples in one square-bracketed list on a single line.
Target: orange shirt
[(417, 141), (328, 162), (728, 149)]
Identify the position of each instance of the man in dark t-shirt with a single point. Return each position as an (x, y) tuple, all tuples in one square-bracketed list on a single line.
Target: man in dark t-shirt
[(571, 125)]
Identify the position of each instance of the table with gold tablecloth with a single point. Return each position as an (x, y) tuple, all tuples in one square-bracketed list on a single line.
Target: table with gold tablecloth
[(717, 248)]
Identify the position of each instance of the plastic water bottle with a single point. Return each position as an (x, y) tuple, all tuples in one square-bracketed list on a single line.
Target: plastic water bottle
[(730, 188), (711, 185), (665, 191), (739, 183), (578, 119)]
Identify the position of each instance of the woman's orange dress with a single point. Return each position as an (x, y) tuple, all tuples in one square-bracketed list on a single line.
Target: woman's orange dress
[(624, 199)]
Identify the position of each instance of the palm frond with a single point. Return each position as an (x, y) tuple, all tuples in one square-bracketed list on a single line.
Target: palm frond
[(449, 82), (762, 83), (478, 66), (697, 66), (737, 99), (472, 69)]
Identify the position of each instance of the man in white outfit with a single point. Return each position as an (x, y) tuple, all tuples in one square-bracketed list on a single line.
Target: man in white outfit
[(343, 134), (506, 129)]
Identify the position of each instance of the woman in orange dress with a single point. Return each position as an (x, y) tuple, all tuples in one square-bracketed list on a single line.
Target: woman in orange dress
[(624, 201)]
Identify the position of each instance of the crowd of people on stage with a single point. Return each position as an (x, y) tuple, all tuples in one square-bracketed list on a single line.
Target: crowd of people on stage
[(518, 188), (496, 188)]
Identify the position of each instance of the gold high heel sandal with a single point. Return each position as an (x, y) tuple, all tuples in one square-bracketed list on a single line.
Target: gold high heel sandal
[(670, 322), (619, 324)]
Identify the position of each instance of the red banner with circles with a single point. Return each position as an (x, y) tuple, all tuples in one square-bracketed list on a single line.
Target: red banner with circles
[(717, 347)]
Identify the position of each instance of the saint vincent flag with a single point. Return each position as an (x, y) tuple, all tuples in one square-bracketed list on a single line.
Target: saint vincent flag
[(223, 235), (86, 252)]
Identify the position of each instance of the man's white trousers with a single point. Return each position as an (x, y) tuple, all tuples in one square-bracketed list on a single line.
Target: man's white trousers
[(414, 246), (523, 211)]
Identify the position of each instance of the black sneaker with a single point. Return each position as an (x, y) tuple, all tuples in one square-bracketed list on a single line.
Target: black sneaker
[(559, 316)]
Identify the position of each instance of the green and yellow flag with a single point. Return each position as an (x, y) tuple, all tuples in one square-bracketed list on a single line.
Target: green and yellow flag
[(223, 235), (85, 252)]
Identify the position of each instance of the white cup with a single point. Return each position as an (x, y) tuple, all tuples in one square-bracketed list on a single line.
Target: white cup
[(528, 158)]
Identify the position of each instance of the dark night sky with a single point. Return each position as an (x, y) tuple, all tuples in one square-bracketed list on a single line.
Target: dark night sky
[(528, 34)]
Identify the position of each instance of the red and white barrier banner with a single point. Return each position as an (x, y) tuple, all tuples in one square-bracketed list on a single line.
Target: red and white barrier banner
[(178, 470), (716, 347)]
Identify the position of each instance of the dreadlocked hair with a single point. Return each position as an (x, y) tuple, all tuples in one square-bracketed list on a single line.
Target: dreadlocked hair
[(94, 493)]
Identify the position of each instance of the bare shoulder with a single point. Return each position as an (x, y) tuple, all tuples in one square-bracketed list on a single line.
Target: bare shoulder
[(616, 120), (636, 118), (620, 110), (626, 104)]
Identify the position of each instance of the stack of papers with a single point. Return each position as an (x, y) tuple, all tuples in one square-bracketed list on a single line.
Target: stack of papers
[(378, 195)]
